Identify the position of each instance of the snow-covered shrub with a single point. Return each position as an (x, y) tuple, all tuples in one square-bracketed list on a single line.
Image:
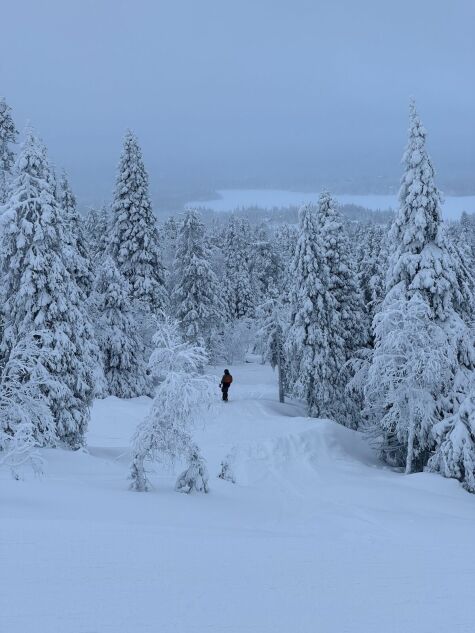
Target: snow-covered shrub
[(195, 477), (226, 471)]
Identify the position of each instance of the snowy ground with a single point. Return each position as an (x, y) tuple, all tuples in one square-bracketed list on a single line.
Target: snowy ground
[(315, 536), (231, 199)]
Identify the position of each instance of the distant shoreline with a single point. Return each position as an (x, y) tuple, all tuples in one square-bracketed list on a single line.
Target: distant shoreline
[(238, 199)]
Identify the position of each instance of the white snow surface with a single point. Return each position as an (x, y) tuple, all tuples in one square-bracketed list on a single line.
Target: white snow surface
[(232, 199), (315, 536)]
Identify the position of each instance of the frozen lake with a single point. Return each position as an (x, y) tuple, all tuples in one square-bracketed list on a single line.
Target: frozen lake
[(231, 199)]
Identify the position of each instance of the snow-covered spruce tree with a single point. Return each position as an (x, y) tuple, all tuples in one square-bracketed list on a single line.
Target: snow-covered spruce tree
[(39, 293), (371, 267), (8, 136), (467, 226), (238, 290), (196, 298), (168, 241), (266, 269), (455, 454), (422, 263), (134, 240), (284, 243), (326, 316), (25, 419), (273, 318), (76, 247), (123, 353), (182, 398), (97, 232)]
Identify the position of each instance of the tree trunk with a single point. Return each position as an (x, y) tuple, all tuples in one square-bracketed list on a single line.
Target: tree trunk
[(280, 370)]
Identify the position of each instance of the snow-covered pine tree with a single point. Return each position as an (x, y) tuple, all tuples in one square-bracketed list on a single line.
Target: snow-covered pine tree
[(76, 247), (419, 259), (371, 266), (134, 240), (265, 267), (123, 353), (168, 240), (422, 262), (38, 293), (182, 398), (272, 317), (284, 243), (326, 318), (467, 224), (455, 454), (196, 298), (97, 225), (238, 290), (8, 136)]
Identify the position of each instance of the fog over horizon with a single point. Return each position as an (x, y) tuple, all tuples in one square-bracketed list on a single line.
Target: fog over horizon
[(291, 94)]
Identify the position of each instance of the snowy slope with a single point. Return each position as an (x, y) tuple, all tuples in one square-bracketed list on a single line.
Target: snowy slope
[(316, 536)]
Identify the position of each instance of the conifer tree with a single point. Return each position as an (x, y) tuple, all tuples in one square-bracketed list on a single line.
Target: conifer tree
[(169, 236), (39, 293), (8, 135), (423, 263), (76, 248), (97, 231), (326, 320), (265, 265), (371, 266), (134, 237), (197, 296), (238, 291), (455, 437), (123, 353)]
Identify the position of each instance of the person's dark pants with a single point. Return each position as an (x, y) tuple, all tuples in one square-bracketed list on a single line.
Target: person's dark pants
[(225, 389)]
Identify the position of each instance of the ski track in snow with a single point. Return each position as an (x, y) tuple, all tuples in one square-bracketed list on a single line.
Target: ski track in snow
[(315, 536)]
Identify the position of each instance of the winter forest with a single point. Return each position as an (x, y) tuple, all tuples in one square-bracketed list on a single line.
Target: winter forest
[(370, 325)]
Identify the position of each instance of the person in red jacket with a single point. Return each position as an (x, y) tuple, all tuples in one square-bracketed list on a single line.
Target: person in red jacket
[(226, 381)]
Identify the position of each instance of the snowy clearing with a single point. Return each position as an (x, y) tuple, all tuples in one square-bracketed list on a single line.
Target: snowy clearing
[(231, 199), (316, 535)]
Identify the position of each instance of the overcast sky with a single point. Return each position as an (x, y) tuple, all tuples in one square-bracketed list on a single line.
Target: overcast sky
[(286, 93)]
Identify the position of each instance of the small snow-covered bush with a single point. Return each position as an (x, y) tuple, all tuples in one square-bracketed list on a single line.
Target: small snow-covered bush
[(226, 471), (195, 477)]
